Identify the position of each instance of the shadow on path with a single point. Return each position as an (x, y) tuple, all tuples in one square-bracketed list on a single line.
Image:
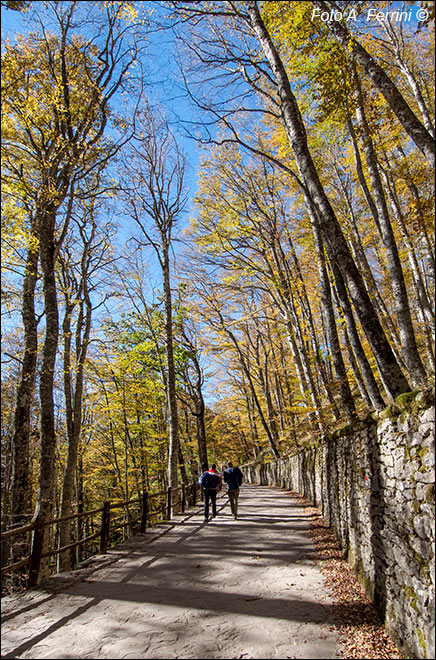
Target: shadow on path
[(251, 586)]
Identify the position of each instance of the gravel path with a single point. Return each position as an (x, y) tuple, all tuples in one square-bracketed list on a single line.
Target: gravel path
[(245, 588)]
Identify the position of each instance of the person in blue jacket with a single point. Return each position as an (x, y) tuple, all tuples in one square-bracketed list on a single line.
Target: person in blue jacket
[(211, 483), (233, 478)]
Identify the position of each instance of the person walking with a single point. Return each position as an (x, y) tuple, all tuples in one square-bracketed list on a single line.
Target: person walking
[(233, 478), (211, 482)]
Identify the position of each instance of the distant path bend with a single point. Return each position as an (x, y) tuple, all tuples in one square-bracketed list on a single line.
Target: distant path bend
[(246, 588)]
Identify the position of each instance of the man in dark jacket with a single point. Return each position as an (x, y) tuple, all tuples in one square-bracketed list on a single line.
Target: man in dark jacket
[(233, 479), (211, 483)]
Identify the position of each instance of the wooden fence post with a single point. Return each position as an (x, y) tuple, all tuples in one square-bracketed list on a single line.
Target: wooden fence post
[(169, 503), (127, 530), (144, 516), (183, 498), (104, 533), (36, 554)]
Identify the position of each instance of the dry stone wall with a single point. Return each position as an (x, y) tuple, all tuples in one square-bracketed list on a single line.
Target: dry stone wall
[(374, 483)]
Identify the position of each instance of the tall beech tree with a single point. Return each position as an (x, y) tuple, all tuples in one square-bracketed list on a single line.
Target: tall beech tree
[(412, 125), (21, 495), (59, 86), (412, 69), (393, 379), (155, 198), (407, 336), (260, 66), (82, 263), (19, 226)]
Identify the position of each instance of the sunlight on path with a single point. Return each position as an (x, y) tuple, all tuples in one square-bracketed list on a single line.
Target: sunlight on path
[(246, 588)]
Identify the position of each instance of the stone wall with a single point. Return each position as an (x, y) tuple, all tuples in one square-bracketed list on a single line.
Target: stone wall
[(374, 483)]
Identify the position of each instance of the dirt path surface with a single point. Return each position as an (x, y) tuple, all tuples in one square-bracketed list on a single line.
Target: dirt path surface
[(245, 588)]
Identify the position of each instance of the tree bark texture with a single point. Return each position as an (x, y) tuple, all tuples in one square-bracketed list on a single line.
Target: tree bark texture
[(346, 396), (173, 449), (409, 348), (393, 379), (410, 122), (21, 495), (46, 476)]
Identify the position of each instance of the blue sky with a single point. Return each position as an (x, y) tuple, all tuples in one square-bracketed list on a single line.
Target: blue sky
[(163, 67), (163, 89)]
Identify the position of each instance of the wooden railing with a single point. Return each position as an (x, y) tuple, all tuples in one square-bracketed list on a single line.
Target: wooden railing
[(105, 531)]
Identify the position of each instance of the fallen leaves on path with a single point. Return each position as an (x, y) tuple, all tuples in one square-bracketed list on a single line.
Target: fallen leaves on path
[(362, 633)]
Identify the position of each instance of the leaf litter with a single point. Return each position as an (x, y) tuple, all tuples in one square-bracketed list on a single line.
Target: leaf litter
[(361, 630)]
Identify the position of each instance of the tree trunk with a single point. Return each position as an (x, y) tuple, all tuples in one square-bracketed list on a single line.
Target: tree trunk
[(410, 122), (398, 44), (393, 379), (270, 412), (21, 511), (424, 308), (21, 496), (364, 366), (80, 498), (46, 477), (318, 368), (401, 302), (299, 353), (360, 257), (332, 332), (74, 421), (173, 450), (247, 373)]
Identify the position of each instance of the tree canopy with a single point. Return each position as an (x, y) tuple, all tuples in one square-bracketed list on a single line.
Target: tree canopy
[(152, 326)]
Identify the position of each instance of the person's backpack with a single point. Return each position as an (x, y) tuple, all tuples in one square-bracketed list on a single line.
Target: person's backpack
[(209, 480)]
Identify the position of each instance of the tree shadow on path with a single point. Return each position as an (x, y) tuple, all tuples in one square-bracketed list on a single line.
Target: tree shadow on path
[(196, 567)]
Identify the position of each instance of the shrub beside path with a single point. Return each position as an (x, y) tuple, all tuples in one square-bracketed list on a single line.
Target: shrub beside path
[(245, 588)]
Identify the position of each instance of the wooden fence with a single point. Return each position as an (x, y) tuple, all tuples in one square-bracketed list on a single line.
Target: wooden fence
[(101, 535)]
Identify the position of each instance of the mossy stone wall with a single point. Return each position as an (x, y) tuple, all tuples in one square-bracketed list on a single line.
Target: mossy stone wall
[(374, 483)]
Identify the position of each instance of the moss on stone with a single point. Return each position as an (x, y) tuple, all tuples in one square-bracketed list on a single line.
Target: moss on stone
[(353, 427), (391, 412), (430, 494), (421, 453), (407, 403), (423, 567), (422, 641), (414, 401), (412, 598), (424, 571), (365, 580), (406, 400)]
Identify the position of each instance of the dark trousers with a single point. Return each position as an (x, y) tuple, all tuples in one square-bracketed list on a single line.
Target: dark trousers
[(209, 495), (233, 494)]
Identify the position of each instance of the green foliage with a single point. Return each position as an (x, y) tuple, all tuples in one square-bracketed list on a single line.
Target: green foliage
[(316, 63)]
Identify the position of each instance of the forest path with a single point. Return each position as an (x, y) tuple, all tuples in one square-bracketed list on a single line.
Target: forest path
[(245, 588)]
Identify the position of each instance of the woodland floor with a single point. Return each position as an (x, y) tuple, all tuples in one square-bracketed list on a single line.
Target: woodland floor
[(271, 584)]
